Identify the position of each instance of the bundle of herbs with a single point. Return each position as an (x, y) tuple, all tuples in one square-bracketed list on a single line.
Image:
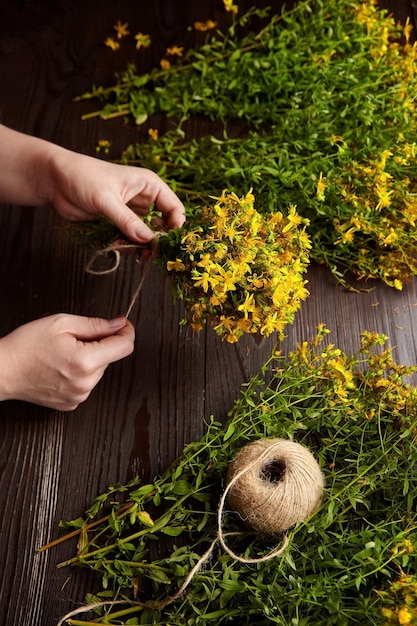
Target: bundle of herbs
[(316, 109), (237, 269), (352, 562)]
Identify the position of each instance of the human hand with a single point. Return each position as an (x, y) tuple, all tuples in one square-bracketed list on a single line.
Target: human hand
[(84, 188), (35, 172), (56, 361)]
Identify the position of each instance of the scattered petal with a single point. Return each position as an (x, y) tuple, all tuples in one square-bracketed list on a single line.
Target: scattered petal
[(112, 43), (203, 26), (142, 41), (121, 29)]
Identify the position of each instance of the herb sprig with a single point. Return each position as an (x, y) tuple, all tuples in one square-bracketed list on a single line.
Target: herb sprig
[(342, 566), (307, 109)]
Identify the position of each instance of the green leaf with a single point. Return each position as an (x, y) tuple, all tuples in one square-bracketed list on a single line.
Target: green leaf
[(141, 118), (173, 531)]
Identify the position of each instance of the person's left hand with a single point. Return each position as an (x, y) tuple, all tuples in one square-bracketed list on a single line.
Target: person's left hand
[(84, 188)]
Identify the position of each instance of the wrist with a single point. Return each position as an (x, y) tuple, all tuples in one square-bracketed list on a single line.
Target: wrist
[(26, 164), (51, 164)]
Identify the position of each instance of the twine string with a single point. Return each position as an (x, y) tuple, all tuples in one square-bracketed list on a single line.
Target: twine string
[(95, 605), (220, 514), (146, 266), (221, 535), (115, 249)]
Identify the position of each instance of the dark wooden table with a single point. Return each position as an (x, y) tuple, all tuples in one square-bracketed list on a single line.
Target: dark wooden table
[(148, 406)]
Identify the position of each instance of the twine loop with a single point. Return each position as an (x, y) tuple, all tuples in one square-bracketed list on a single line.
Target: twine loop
[(114, 250)]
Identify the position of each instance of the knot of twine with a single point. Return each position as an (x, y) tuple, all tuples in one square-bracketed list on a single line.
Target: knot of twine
[(114, 250), (272, 484)]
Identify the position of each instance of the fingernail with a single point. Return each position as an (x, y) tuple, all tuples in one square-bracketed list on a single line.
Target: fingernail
[(145, 234), (117, 321)]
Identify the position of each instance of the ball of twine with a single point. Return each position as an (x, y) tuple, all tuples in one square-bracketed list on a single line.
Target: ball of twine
[(273, 484)]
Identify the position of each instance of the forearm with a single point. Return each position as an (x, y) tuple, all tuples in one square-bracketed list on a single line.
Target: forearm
[(25, 168)]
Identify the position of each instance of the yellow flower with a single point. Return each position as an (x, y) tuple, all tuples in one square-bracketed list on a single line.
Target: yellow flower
[(221, 251), (304, 240), (303, 351), (217, 299), (392, 237), (103, 144), (258, 283), (232, 338), (410, 150), (384, 156), (203, 26), (248, 306), (175, 266), (250, 198), (205, 281), (229, 6), (383, 177), (398, 284), (142, 41), (226, 279), (197, 309), (321, 186), (404, 616), (384, 197), (175, 51), (347, 236), (165, 64), (112, 43), (403, 547), (356, 222), (275, 219), (338, 366), (153, 133), (293, 219), (206, 262), (121, 29), (232, 233), (190, 238), (220, 210), (269, 326), (279, 296)]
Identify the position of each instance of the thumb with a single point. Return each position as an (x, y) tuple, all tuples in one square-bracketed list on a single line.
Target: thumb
[(129, 223), (95, 328)]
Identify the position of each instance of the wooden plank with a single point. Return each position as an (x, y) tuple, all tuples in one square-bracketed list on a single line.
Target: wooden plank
[(149, 405)]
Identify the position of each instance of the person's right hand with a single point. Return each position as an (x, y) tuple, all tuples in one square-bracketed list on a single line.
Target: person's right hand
[(56, 361)]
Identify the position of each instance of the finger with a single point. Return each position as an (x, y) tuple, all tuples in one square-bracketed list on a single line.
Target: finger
[(129, 223), (171, 206), (156, 191), (95, 328), (111, 348)]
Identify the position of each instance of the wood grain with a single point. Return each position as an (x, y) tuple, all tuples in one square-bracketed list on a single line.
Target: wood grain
[(147, 407)]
